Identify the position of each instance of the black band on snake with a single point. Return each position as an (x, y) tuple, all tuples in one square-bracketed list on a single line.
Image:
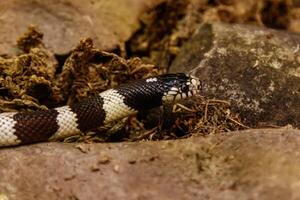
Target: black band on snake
[(110, 105)]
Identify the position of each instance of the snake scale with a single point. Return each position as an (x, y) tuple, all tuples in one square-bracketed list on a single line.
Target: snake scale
[(37, 126)]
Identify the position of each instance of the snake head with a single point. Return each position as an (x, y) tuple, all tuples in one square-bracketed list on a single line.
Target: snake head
[(151, 92), (180, 86)]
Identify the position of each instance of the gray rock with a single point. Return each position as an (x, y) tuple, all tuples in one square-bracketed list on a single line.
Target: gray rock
[(256, 69), (252, 164)]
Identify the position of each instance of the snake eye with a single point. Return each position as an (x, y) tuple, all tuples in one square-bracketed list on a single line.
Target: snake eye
[(185, 88)]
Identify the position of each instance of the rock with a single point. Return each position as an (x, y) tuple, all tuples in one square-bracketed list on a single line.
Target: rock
[(252, 164), (65, 22), (256, 69)]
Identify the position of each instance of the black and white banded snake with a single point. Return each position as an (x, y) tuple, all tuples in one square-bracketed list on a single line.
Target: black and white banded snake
[(37, 126)]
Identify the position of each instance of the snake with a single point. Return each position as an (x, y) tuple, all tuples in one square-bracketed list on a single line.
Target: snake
[(18, 128)]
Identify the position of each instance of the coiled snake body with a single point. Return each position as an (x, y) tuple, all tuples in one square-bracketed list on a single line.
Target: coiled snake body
[(110, 105)]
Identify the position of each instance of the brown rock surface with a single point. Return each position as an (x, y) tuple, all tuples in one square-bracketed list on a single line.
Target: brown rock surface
[(253, 164), (256, 69), (65, 22)]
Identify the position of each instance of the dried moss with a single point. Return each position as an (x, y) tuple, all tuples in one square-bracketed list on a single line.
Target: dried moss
[(26, 80), (88, 70), (33, 80), (31, 39)]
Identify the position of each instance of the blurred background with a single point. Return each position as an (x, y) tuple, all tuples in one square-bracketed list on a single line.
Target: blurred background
[(153, 29)]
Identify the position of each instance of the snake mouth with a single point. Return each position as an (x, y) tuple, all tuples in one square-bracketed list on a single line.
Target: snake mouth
[(188, 89), (195, 85)]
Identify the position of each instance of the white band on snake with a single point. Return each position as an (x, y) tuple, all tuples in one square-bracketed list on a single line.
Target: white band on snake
[(113, 104)]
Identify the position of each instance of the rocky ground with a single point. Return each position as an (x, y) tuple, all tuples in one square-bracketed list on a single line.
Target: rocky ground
[(253, 164), (251, 80)]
